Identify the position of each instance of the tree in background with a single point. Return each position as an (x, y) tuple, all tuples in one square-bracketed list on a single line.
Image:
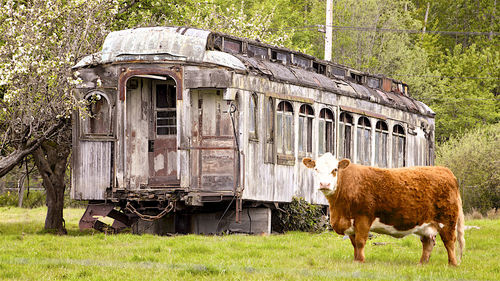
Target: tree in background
[(474, 159), (216, 15), (39, 43), (465, 94)]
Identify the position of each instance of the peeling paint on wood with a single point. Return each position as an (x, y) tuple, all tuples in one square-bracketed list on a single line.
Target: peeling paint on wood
[(201, 158)]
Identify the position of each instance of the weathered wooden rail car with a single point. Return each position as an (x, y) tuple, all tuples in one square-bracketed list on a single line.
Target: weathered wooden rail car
[(204, 132)]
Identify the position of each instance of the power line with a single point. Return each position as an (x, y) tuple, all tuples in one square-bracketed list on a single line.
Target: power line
[(376, 29), (451, 77), (463, 99), (458, 99)]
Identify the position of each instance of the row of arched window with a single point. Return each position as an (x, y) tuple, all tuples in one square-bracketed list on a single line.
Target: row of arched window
[(283, 115)]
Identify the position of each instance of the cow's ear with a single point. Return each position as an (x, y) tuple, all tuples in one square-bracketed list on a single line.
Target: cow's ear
[(309, 163), (344, 163)]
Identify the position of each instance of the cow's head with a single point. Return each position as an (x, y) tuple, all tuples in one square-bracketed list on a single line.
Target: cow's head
[(326, 171)]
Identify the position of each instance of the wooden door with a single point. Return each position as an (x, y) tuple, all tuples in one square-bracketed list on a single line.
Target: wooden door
[(213, 155), (162, 145)]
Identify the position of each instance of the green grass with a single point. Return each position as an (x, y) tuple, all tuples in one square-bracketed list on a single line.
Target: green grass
[(27, 253)]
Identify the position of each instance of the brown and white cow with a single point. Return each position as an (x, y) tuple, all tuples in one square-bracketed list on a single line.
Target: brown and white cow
[(398, 202)]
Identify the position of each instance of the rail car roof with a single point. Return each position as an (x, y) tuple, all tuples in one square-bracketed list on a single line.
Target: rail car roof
[(201, 46)]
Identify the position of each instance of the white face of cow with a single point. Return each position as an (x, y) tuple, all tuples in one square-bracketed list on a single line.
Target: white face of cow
[(325, 172)]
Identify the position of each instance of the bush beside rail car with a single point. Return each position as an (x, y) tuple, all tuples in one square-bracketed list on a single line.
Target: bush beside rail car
[(473, 158), (299, 215)]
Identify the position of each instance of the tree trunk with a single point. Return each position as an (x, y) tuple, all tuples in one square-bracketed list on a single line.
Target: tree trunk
[(20, 186), (51, 160), (8, 162)]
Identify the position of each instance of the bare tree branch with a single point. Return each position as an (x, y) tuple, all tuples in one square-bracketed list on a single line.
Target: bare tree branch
[(10, 161)]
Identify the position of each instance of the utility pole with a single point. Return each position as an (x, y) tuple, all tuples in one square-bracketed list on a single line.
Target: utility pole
[(329, 30), (426, 15)]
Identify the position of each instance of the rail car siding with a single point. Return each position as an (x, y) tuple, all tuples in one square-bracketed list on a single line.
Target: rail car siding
[(201, 158)]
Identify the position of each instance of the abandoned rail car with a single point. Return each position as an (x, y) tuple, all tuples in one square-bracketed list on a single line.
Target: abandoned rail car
[(194, 131)]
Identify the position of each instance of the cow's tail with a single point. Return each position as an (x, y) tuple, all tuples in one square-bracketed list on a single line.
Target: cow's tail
[(460, 230)]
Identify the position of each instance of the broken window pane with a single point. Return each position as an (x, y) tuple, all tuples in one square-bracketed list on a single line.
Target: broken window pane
[(301, 61), (252, 125), (321, 136), (399, 143), (232, 46), (288, 130), (270, 120), (306, 117), (166, 103), (165, 96), (346, 123), (257, 51), (99, 120), (337, 71), (282, 57), (269, 156), (279, 132), (284, 124), (381, 133), (301, 133), (326, 136), (364, 141)]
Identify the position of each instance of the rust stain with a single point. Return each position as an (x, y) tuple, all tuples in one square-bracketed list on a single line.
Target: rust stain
[(175, 72)]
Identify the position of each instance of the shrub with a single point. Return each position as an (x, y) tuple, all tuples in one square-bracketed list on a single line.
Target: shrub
[(35, 199), (493, 214), (299, 215), (474, 159)]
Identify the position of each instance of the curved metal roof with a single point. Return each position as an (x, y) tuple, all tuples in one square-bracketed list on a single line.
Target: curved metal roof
[(192, 45)]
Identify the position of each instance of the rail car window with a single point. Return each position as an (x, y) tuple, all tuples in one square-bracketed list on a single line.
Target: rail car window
[(325, 131), (398, 146), (364, 130), (284, 125), (319, 68), (301, 61), (306, 117), (373, 83), (253, 113), (337, 71), (282, 57), (269, 131), (232, 46), (165, 109), (381, 135), (345, 135), (258, 52), (99, 121)]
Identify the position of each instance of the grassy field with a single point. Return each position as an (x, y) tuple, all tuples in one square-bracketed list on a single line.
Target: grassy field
[(29, 254)]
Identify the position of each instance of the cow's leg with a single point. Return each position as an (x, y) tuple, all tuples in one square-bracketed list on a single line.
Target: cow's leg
[(353, 242), (428, 243), (361, 230), (449, 237)]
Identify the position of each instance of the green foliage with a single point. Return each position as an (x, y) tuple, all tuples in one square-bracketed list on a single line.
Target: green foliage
[(461, 15), (463, 104), (474, 159), (41, 41), (35, 199), (223, 16), (299, 215), (375, 52)]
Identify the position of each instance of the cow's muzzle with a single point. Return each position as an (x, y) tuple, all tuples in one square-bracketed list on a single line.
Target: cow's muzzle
[(323, 185)]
